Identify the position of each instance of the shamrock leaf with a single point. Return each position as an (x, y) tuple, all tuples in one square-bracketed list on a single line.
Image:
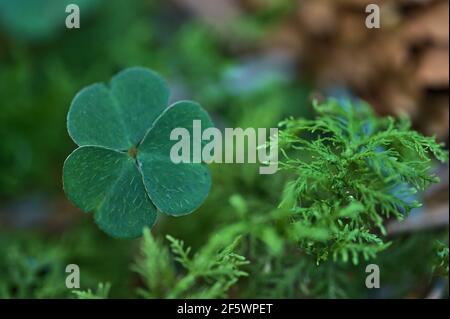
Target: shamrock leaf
[(122, 171)]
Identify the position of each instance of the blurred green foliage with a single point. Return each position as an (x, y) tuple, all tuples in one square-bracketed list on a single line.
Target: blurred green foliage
[(30, 269), (102, 292), (441, 263)]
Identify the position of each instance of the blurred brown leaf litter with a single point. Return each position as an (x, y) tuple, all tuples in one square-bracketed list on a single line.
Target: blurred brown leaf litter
[(403, 67)]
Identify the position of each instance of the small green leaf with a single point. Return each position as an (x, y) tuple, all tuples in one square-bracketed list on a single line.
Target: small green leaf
[(122, 171), (120, 115)]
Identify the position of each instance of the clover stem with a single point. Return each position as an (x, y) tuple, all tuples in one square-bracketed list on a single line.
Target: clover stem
[(133, 151)]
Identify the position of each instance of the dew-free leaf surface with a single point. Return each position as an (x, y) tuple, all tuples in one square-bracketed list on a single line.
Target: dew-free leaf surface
[(122, 171)]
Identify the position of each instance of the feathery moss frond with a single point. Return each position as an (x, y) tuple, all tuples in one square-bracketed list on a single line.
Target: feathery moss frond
[(352, 170)]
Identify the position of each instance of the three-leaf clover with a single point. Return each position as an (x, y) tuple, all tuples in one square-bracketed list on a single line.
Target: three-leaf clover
[(122, 171)]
